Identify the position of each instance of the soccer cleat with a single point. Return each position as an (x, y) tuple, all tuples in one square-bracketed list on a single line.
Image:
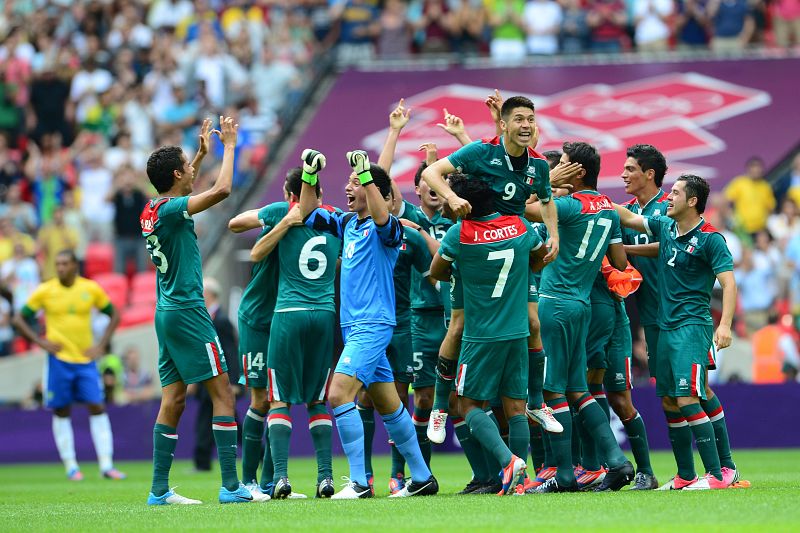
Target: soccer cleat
[(282, 489), (471, 487), (296, 496), (511, 473), (256, 493), (240, 495), (731, 478), (589, 479), (436, 426), (171, 498), (352, 491), (489, 487), (396, 483), (543, 475), (544, 417), (325, 488), (707, 482), (676, 483), (617, 477), (371, 480), (113, 473), (551, 485), (644, 481), (75, 475), (429, 487), (268, 489)]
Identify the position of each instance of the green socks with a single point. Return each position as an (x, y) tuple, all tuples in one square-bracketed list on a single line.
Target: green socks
[(486, 432), (280, 433), (252, 431), (536, 359), (445, 375), (225, 430), (589, 458), (537, 444), (575, 441), (320, 426), (599, 395), (703, 433), (596, 423), (637, 436), (519, 436), (165, 439), (420, 419), (473, 451), (561, 443), (680, 437), (368, 419), (713, 409)]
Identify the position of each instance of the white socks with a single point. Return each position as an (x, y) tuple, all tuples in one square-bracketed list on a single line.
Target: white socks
[(65, 441), (100, 427)]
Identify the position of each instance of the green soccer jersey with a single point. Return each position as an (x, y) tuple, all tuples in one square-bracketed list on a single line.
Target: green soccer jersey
[(587, 225), (413, 262), (172, 243), (258, 299), (493, 256), (488, 160), (307, 263), (687, 267), (541, 231), (423, 294), (647, 296)]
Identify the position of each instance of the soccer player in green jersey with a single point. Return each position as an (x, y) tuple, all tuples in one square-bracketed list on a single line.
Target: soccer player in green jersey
[(591, 229), (189, 350), (643, 174), (492, 252), (692, 254)]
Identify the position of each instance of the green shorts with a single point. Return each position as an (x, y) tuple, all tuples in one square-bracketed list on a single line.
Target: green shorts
[(300, 355), (428, 328), (487, 370), (683, 358), (188, 346), (533, 286), (651, 334), (599, 334), (619, 350), (253, 349), (564, 328), (400, 354)]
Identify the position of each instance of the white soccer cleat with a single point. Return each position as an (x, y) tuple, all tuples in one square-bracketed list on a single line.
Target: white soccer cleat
[(171, 498), (255, 492), (296, 496), (437, 431), (544, 417), (707, 482), (352, 491)]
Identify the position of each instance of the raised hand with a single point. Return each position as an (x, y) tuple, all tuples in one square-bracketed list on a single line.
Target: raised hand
[(205, 136), (227, 132), (459, 206), (359, 161), (495, 103), (400, 116), (452, 124), (431, 155), (313, 161)]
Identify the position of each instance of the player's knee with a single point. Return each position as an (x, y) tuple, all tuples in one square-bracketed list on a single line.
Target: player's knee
[(259, 400), (337, 396), (534, 326), (96, 409), (621, 404), (423, 398), (62, 412), (573, 397)]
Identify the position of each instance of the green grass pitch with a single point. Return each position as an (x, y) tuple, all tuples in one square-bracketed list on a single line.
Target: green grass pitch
[(38, 497)]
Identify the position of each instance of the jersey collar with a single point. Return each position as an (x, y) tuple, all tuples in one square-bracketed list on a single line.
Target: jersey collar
[(676, 235), (655, 198), (508, 157)]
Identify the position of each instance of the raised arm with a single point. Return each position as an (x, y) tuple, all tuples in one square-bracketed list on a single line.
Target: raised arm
[(222, 187), (376, 204), (631, 220), (455, 127), (313, 162), (434, 177), (398, 118), (202, 149), (722, 337), (269, 242)]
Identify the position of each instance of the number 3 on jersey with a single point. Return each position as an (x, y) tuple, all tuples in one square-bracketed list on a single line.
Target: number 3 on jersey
[(156, 255)]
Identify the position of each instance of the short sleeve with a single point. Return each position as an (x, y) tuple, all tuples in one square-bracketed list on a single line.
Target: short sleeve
[(175, 206), (328, 221), (616, 229), (271, 214), (717, 254), (463, 158), (409, 211), (542, 182), (567, 208), (449, 248), (99, 297), (391, 233), (533, 236), (36, 299)]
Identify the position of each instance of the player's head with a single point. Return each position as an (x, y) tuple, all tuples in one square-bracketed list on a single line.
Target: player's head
[(477, 192), (518, 120), (66, 266), (644, 169), (294, 184), (427, 196), (167, 167), (589, 158), (755, 167), (357, 195), (553, 158), (689, 194)]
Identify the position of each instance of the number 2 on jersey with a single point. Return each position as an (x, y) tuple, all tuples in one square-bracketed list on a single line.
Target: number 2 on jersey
[(157, 256), (606, 224), (508, 259)]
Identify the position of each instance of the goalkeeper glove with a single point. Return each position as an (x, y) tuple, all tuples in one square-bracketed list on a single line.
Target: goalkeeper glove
[(359, 161), (313, 162)]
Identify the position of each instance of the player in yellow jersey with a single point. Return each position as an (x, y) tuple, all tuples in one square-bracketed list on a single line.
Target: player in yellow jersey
[(71, 374)]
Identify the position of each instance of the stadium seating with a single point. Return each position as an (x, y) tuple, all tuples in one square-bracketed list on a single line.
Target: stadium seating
[(116, 285), (99, 259), (137, 314)]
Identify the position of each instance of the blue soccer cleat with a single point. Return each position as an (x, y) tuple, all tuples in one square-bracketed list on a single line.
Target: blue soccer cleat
[(240, 495)]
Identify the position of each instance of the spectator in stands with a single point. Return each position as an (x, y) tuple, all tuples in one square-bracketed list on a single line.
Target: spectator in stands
[(752, 197), (76, 220), (543, 22), (786, 22), (271, 78), (436, 26), (10, 237), (651, 20), (55, 237), (732, 25), (608, 21), (355, 28), (396, 31), (95, 181), (789, 184), (775, 351), (10, 168), (786, 223), (122, 152), (756, 278), (508, 29), (169, 13), (20, 274), (6, 331), (21, 213), (87, 84), (138, 380), (574, 35), (691, 24), (469, 22), (128, 201)]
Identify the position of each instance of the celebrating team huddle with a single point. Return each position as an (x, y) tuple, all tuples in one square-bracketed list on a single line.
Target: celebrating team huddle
[(500, 298)]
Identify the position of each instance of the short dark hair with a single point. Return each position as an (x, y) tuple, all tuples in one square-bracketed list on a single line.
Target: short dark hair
[(418, 176), (477, 192), (381, 179), (553, 158), (161, 167), (588, 157), (69, 253), (649, 158), (696, 187), (754, 159), (294, 182), (513, 103)]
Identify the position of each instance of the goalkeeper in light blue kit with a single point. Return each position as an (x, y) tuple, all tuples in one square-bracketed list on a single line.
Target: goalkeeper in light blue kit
[(371, 240)]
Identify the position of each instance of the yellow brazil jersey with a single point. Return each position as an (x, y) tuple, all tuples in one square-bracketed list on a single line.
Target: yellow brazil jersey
[(68, 314)]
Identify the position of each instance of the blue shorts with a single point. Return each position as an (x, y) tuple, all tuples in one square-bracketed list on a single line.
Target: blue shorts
[(68, 383), (364, 354)]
